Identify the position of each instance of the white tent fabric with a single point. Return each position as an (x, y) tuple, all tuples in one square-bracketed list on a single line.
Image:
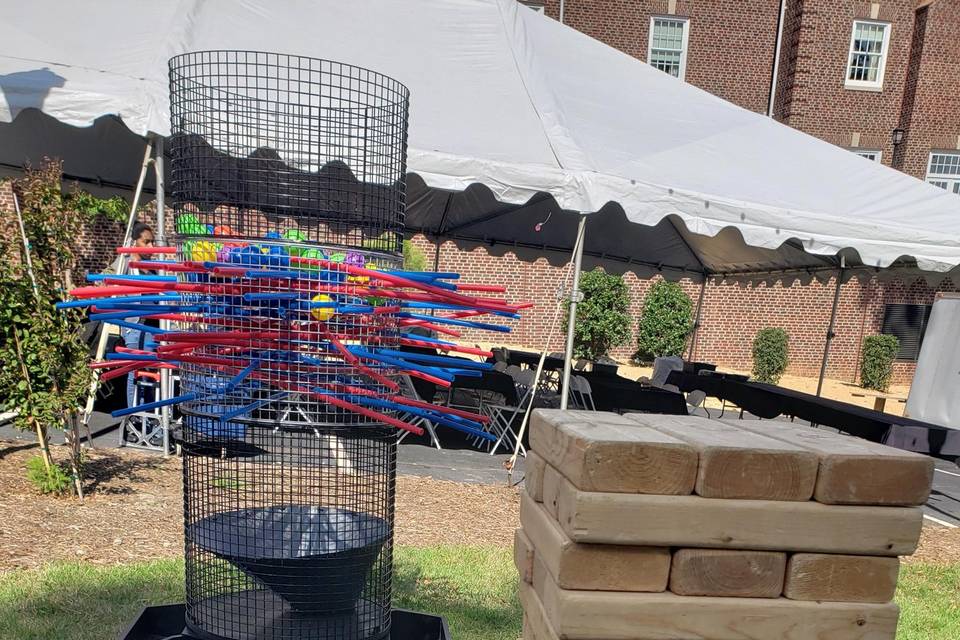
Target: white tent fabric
[(509, 99)]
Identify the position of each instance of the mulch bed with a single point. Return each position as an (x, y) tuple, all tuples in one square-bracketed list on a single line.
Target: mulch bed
[(134, 511)]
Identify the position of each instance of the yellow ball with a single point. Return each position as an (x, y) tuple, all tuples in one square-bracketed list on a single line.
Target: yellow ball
[(204, 251), (322, 313)]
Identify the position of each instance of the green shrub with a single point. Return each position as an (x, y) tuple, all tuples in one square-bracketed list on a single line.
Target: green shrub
[(413, 258), (603, 318), (56, 480), (665, 321), (876, 364), (770, 355)]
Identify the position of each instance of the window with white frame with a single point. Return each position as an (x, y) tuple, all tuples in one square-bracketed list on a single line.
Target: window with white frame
[(869, 154), (868, 54), (667, 50), (944, 171)]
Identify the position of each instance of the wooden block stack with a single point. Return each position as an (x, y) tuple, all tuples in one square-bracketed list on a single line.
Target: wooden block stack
[(652, 527)]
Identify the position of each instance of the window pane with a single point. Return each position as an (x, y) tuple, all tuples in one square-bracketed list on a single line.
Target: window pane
[(668, 61), (667, 34), (945, 164), (866, 52), (666, 45), (938, 183)]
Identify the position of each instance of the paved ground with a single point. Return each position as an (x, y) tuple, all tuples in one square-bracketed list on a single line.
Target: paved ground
[(459, 462)]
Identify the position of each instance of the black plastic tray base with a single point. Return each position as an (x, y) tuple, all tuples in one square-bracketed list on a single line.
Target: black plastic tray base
[(166, 622)]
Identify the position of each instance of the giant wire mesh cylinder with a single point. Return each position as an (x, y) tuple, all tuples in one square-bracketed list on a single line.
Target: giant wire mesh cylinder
[(282, 168)]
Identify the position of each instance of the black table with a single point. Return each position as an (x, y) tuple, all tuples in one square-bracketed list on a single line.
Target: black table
[(494, 381), (531, 359), (770, 401), (614, 393)]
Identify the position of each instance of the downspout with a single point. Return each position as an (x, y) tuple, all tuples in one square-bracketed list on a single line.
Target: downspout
[(776, 58), (561, 11)]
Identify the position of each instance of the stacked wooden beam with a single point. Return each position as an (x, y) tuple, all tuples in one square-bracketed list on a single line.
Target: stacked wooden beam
[(652, 527)]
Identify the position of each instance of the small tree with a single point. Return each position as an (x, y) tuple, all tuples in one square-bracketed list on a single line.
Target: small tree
[(603, 318), (770, 355), (665, 321), (43, 361), (876, 364)]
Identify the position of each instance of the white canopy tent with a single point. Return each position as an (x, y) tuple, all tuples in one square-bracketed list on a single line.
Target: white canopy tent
[(514, 117)]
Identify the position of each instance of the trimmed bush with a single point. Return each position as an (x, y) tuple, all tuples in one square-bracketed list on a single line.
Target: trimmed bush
[(770, 354), (876, 364), (665, 322), (603, 318)]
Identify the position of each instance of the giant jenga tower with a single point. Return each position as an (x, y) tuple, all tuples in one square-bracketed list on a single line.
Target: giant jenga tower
[(652, 527)]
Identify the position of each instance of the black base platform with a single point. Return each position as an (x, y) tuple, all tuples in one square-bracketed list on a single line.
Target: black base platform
[(166, 622)]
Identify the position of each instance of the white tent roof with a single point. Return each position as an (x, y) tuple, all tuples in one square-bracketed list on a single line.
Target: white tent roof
[(506, 98)]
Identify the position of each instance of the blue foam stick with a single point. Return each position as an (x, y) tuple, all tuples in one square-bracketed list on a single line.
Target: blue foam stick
[(88, 302), (439, 418), (99, 277), (443, 361), (119, 413), (425, 275), (152, 357), (277, 295), (443, 343), (288, 274), (246, 371), (229, 415), (456, 322), (134, 313), (136, 326), (401, 364)]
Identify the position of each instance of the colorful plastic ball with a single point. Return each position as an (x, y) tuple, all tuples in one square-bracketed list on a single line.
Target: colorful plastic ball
[(186, 221), (223, 254), (322, 313), (354, 259), (223, 230), (338, 257), (204, 251)]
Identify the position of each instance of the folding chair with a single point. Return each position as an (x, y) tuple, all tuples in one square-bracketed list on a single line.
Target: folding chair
[(581, 394), (409, 391)]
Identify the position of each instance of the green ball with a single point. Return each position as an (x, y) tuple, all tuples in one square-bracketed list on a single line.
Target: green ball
[(295, 235), (186, 221)]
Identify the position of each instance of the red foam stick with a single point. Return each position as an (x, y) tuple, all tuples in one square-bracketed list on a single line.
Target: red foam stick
[(413, 322), (105, 292), (110, 364), (487, 288), (352, 359), (399, 281), (411, 342), (146, 250), (165, 266), (149, 375)]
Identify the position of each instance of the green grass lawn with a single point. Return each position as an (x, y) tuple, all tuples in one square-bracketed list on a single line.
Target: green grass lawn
[(474, 587)]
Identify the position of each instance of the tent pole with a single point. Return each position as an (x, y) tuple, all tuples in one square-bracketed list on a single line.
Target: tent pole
[(164, 324), (102, 341), (833, 320), (696, 321), (575, 296)]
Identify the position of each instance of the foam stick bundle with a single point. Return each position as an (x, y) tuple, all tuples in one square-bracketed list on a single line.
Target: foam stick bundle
[(282, 333)]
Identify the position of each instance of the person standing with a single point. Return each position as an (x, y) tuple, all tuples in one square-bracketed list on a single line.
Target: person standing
[(133, 338)]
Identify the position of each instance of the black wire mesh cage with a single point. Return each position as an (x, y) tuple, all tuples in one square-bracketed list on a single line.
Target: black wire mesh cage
[(287, 176)]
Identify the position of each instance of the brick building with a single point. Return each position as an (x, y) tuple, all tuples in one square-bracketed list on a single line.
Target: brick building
[(850, 72)]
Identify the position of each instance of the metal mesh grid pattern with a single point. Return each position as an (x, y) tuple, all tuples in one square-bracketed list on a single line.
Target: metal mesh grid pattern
[(287, 177), (288, 533), (262, 140)]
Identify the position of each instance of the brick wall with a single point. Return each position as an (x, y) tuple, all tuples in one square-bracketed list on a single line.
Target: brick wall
[(733, 310), (731, 42), (933, 120), (818, 102)]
